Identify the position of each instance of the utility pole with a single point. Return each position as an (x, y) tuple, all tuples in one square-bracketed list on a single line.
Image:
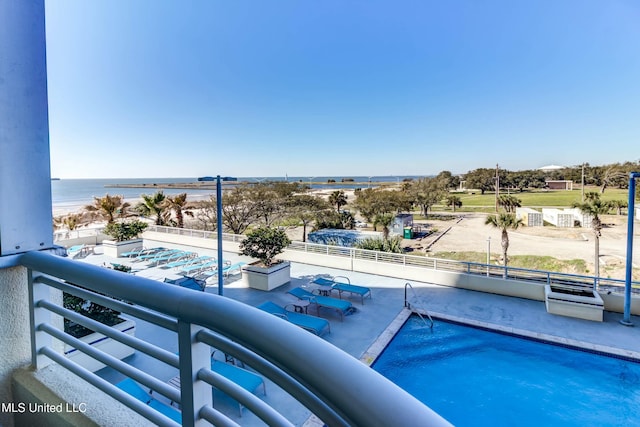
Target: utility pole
[(583, 183), (497, 186)]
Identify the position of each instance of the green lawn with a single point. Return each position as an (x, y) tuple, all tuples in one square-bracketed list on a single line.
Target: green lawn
[(534, 199)]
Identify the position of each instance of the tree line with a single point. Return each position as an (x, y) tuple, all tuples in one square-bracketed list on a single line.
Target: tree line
[(612, 175)]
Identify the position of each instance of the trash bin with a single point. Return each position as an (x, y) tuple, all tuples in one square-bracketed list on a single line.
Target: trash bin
[(408, 233)]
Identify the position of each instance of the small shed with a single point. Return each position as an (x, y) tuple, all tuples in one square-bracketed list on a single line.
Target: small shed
[(400, 223), (559, 184), (530, 217), (558, 217), (583, 219)]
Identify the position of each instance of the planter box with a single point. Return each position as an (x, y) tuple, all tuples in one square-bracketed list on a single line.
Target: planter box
[(583, 304), (116, 249), (103, 343), (266, 279)]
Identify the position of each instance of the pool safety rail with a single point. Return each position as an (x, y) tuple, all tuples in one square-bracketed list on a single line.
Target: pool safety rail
[(418, 304), (345, 392), (464, 267)]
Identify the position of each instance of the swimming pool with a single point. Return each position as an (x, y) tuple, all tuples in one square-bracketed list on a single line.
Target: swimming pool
[(474, 377)]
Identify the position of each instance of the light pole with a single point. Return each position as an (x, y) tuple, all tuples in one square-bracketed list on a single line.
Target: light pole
[(626, 320), (488, 253), (219, 226)]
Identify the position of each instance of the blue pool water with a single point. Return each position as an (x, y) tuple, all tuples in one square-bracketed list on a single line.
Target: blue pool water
[(474, 377)]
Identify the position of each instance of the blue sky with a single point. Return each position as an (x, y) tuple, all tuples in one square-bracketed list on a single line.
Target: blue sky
[(165, 88)]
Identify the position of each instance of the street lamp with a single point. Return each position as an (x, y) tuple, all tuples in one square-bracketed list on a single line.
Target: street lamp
[(626, 320), (488, 253), (219, 226)]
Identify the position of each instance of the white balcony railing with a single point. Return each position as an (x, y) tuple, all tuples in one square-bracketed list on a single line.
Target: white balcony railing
[(344, 392)]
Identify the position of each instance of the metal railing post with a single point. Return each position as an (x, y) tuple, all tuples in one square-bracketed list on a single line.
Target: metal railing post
[(37, 315), (195, 393)]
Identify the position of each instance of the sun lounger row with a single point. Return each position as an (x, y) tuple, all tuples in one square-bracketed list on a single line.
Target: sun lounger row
[(171, 255), (193, 269), (227, 270), (342, 287), (141, 251)]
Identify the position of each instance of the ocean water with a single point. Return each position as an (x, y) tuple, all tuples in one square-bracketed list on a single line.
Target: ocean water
[(72, 193)]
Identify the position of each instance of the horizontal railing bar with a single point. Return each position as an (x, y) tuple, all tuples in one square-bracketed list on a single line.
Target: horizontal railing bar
[(144, 314), (151, 382), (113, 391), (252, 402), (131, 341), (285, 381), (413, 260), (216, 418), (378, 401)]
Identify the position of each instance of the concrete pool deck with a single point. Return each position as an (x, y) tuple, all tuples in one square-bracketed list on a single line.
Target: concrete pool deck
[(358, 332)]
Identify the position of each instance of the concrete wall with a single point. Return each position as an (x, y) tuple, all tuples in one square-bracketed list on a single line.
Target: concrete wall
[(82, 404), (94, 239), (153, 238), (528, 290), (514, 288), (15, 350)]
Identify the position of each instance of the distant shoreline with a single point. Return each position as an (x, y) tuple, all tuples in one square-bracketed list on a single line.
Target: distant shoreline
[(208, 185)]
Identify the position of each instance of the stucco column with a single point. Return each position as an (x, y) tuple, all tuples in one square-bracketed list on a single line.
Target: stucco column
[(25, 172), (25, 177), (15, 350)]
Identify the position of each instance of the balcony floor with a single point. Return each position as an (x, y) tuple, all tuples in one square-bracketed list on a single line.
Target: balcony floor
[(358, 332)]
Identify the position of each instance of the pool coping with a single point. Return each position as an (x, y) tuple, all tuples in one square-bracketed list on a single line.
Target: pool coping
[(378, 346)]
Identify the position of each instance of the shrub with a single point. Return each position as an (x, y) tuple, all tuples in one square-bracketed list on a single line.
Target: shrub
[(393, 244), (264, 243), (123, 231), (89, 309)]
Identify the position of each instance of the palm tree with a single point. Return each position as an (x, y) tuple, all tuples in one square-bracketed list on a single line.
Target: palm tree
[(504, 221), (509, 202), (154, 205), (594, 207), (338, 198), (108, 207), (618, 205), (385, 220), (178, 204)]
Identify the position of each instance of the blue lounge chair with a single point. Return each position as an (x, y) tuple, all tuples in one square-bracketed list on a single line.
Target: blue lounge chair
[(312, 324), (188, 282), (341, 287), (132, 388), (242, 377), (341, 306), (134, 253)]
